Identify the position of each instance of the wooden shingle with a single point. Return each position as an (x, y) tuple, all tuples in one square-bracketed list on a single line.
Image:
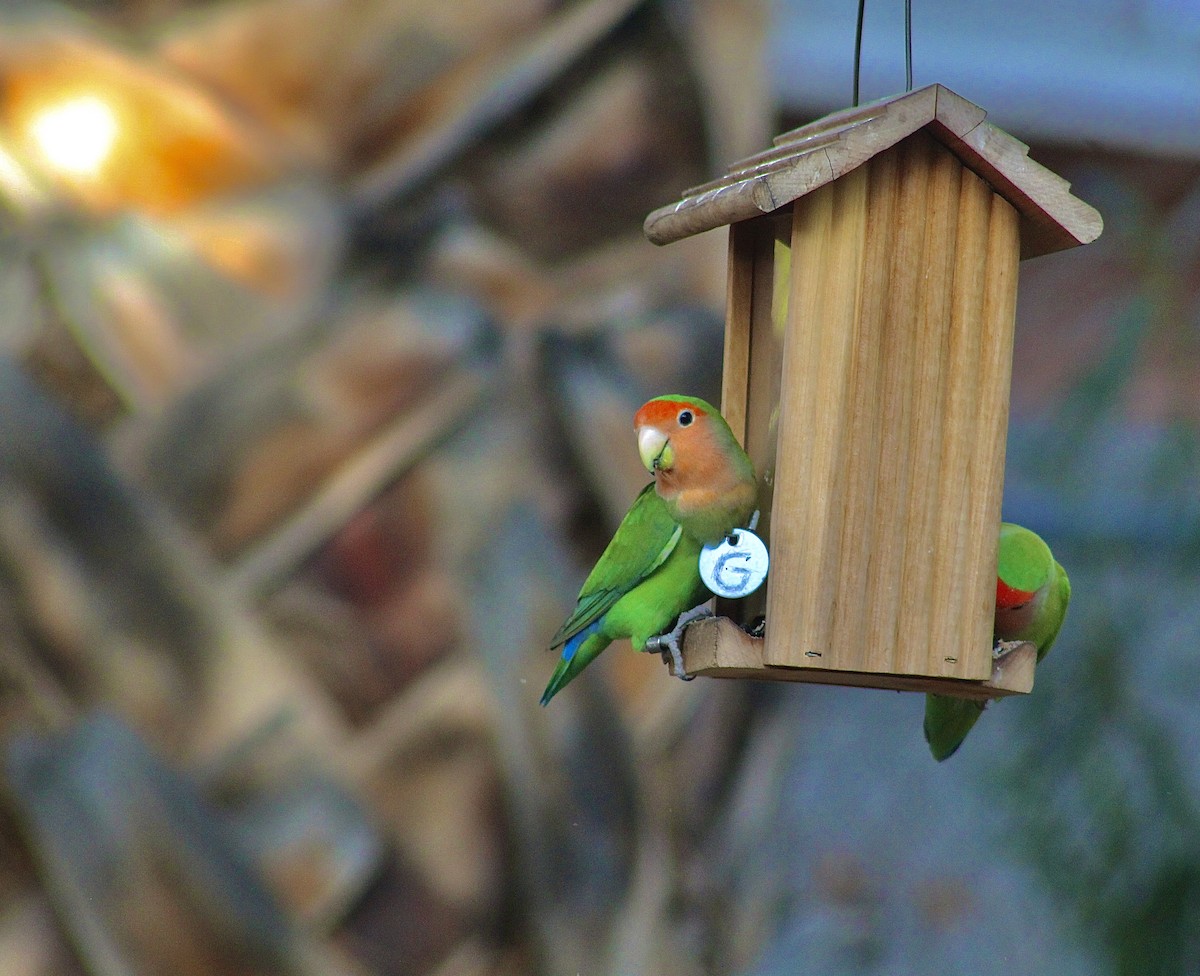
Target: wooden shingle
[(1052, 219)]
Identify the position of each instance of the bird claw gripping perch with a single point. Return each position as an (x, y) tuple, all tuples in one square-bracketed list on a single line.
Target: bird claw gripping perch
[(668, 644), (1002, 648)]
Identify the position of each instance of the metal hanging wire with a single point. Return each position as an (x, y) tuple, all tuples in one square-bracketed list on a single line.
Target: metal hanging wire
[(858, 32), (862, 7), (908, 45)]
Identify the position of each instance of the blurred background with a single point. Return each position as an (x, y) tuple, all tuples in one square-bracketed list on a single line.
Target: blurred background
[(322, 323)]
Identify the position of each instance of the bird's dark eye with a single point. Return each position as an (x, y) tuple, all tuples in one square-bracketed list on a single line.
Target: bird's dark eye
[(685, 418)]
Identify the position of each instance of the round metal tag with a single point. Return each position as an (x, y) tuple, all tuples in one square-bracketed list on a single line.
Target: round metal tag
[(736, 566)]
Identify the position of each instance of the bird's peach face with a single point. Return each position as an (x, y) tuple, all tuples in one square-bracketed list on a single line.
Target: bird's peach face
[(660, 426)]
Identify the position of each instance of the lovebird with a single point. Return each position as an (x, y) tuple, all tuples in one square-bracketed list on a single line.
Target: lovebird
[(704, 487), (1032, 593)]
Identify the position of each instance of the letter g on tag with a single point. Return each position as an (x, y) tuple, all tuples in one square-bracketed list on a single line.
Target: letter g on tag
[(736, 566)]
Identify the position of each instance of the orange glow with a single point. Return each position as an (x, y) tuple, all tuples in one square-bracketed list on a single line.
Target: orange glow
[(116, 131), (75, 136)]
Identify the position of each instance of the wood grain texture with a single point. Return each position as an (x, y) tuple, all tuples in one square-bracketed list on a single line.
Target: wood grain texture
[(893, 414), (827, 253), (735, 376), (753, 343), (926, 354), (806, 159), (718, 648)]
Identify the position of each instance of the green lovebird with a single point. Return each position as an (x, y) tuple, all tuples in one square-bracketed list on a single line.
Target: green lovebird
[(1032, 593), (704, 488)]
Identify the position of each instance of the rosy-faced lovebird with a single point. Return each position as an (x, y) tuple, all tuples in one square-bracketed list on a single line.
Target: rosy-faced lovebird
[(1032, 593), (704, 488)]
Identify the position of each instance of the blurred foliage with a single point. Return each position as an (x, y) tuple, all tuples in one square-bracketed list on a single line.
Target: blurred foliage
[(316, 395), (1099, 780)]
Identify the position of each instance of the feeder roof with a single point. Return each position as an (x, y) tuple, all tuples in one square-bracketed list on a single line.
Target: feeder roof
[(815, 154)]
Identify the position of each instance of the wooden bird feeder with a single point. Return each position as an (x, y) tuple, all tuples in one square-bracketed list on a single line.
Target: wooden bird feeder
[(868, 351)]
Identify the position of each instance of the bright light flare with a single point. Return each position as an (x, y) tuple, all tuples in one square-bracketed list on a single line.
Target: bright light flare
[(75, 136)]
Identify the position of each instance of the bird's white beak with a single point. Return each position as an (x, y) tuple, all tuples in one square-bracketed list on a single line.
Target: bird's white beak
[(654, 448)]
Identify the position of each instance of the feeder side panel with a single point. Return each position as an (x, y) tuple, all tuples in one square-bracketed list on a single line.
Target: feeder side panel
[(933, 360), (858, 544), (978, 363), (759, 255), (954, 578), (995, 383), (894, 289), (828, 241), (735, 376)]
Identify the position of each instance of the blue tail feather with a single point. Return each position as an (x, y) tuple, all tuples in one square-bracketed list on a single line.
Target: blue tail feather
[(572, 645), (564, 672)]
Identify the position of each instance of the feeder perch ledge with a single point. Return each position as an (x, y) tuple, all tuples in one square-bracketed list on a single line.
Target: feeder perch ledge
[(716, 647)]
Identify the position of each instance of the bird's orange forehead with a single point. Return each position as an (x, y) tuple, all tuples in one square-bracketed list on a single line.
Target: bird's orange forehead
[(1008, 597), (659, 413)]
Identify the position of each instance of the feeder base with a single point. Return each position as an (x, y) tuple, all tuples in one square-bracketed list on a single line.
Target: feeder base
[(718, 648)]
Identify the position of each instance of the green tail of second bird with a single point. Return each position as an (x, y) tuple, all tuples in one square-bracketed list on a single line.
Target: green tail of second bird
[(947, 722)]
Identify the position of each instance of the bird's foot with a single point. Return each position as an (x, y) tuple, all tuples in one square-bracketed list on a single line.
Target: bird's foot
[(668, 644), (1002, 648)]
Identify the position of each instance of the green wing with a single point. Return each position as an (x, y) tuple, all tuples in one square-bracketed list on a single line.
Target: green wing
[(643, 541), (1054, 611)]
